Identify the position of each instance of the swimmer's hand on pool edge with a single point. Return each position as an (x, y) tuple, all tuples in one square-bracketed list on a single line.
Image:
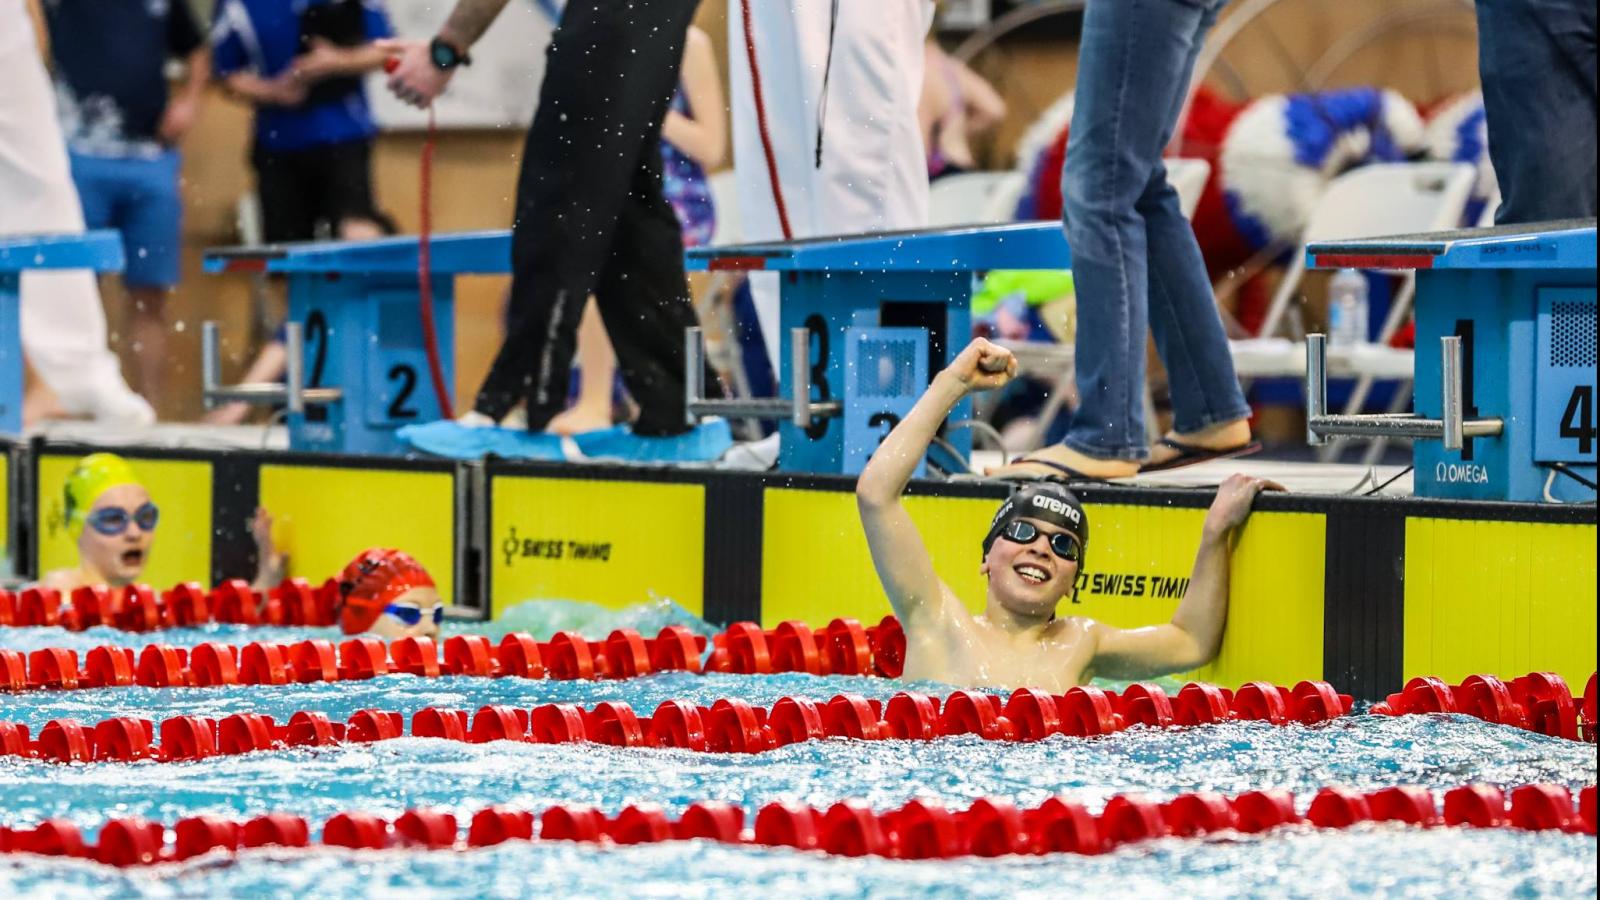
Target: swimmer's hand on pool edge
[(271, 566), (1234, 499)]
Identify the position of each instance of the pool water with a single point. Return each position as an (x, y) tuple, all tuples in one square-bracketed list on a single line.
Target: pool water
[(386, 778)]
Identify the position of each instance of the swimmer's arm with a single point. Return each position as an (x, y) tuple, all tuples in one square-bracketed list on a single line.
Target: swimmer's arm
[(902, 560), (1194, 636), (898, 553), (1189, 641)]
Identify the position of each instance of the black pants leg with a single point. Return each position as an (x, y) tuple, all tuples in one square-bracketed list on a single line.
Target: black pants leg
[(611, 72), (643, 297)]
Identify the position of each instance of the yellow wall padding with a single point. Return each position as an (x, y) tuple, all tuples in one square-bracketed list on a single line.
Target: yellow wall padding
[(615, 543), (1502, 598)]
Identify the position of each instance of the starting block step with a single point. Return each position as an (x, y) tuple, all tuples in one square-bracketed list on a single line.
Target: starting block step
[(834, 287), (358, 308)]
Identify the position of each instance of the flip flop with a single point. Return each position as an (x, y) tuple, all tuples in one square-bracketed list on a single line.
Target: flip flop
[(1189, 455)]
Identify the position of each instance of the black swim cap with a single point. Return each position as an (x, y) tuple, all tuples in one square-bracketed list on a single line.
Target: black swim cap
[(1047, 502)]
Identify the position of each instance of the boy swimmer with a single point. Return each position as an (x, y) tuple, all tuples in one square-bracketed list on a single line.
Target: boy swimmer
[(1031, 557), (113, 519), (389, 594)]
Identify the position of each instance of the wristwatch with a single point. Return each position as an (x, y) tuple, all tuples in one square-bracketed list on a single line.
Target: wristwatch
[(445, 56)]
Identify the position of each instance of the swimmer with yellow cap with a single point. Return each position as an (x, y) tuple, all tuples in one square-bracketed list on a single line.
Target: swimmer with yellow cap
[(113, 518)]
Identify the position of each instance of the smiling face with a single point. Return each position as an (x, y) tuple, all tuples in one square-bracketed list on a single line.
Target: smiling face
[(119, 559), (425, 600), (1028, 580)]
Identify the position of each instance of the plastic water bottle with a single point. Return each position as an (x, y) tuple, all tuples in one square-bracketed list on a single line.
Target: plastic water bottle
[(1347, 308)]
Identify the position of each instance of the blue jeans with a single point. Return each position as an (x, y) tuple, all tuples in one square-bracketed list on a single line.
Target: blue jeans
[(1135, 261), (1536, 59)]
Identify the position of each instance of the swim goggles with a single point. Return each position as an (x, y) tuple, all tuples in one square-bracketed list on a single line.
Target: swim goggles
[(113, 520), (411, 615), (1062, 544)]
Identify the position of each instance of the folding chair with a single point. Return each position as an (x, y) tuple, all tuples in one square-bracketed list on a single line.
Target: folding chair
[(1372, 201), (974, 198)]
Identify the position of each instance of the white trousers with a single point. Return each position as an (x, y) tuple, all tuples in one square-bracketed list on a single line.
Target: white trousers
[(874, 171), (63, 323)]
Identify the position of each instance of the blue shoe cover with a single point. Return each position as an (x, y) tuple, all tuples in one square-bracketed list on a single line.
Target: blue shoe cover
[(703, 443), (456, 441)]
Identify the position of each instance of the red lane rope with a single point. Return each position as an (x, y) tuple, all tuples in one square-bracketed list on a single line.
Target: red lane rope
[(761, 123), (921, 829), (728, 725)]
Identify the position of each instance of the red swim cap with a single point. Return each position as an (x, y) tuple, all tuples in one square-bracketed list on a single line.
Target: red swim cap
[(372, 581)]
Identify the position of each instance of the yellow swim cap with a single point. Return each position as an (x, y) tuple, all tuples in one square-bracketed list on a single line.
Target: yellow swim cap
[(94, 475)]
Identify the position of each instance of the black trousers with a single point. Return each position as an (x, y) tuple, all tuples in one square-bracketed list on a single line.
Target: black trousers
[(591, 218)]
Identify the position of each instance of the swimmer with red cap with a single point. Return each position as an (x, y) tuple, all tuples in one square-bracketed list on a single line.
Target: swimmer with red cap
[(1032, 554), (389, 594)]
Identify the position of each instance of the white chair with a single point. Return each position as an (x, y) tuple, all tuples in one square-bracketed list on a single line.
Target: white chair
[(974, 198), (725, 197), (1188, 177), (1373, 201)]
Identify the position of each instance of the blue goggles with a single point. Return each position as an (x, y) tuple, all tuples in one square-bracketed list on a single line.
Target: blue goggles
[(113, 520), (411, 615)]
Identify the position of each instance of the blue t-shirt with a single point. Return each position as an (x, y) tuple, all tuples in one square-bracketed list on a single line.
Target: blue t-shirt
[(265, 36), (110, 69)]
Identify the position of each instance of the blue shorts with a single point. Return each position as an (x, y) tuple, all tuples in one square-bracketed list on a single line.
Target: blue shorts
[(139, 198)]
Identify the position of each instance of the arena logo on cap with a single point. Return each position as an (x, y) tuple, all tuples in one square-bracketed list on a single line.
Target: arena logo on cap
[(1060, 508)]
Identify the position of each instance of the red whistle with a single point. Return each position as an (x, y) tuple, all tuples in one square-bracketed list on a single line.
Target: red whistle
[(390, 64)]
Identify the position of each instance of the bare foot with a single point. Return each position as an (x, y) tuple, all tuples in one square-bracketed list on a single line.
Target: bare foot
[(1222, 436), (1061, 454), (580, 418)]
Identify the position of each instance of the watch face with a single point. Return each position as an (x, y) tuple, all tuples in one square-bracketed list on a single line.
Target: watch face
[(444, 56)]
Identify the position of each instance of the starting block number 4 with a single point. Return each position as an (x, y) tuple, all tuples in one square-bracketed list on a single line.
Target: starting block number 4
[(1564, 415)]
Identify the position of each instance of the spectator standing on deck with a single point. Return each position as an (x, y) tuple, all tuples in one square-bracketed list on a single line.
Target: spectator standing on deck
[(123, 124), (1135, 262), (1536, 59), (63, 323), (839, 84), (694, 140), (301, 66), (591, 217)]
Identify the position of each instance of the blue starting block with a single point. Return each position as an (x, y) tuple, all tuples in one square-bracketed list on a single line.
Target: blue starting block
[(97, 251), (923, 280), (1509, 411), (364, 358)]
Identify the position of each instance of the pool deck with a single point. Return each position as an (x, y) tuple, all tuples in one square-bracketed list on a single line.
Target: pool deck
[(1298, 476)]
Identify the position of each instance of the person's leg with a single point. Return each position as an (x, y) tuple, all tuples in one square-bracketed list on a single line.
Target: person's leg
[(597, 368), (287, 197), (287, 214), (63, 322), (1209, 408), (610, 73), (345, 199), (151, 220), (1132, 67), (644, 300), (1537, 62)]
